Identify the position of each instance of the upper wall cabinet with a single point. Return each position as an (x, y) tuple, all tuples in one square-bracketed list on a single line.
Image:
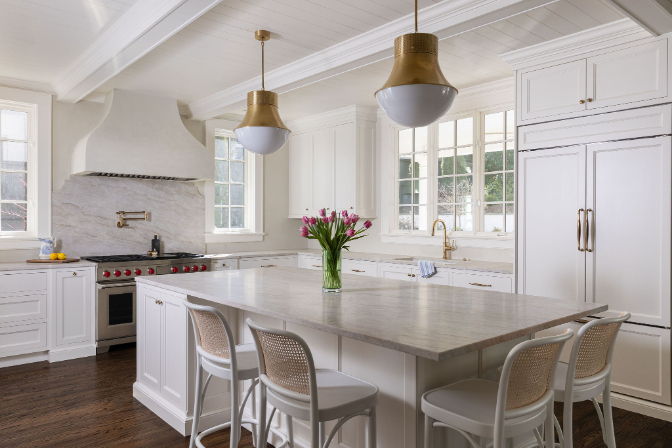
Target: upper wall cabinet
[(332, 163), (629, 75)]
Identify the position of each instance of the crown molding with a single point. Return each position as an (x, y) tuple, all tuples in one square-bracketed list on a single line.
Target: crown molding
[(488, 88), (607, 35), (655, 16), (333, 117), (445, 19), (145, 25), (26, 85)]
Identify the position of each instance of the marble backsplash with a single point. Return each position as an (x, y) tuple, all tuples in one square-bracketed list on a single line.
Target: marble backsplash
[(84, 216)]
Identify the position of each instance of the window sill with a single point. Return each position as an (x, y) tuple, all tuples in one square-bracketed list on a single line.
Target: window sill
[(234, 237), (19, 242), (461, 240)]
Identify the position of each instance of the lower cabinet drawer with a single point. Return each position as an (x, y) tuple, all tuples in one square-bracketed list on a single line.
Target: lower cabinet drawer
[(20, 339), (23, 308), (306, 262), (478, 281), (224, 265), (23, 281), (359, 267), (271, 262)]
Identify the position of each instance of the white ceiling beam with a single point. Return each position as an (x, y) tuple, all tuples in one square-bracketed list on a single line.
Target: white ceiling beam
[(139, 30), (445, 19), (655, 16)]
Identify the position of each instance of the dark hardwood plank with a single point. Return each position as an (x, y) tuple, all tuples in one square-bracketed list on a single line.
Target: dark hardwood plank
[(89, 402)]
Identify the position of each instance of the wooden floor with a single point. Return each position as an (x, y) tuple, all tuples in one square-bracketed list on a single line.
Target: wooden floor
[(88, 402)]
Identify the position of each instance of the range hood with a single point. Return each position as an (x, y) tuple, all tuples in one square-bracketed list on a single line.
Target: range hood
[(141, 137)]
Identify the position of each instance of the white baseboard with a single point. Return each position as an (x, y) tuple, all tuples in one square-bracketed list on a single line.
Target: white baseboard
[(167, 413), (17, 360), (648, 408), (65, 354)]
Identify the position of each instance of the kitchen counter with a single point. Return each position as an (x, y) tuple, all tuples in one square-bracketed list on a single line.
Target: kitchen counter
[(22, 265), (431, 321), (473, 265), (405, 337)]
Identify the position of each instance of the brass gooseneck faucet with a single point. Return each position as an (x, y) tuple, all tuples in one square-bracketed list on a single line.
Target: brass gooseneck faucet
[(446, 247)]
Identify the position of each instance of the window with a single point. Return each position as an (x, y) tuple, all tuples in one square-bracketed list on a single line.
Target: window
[(15, 192), (234, 198), (460, 170), (230, 187)]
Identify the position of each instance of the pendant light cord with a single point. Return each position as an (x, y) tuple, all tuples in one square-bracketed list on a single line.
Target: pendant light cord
[(262, 64), (416, 16)]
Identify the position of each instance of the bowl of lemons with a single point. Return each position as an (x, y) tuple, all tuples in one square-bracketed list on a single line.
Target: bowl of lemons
[(57, 256)]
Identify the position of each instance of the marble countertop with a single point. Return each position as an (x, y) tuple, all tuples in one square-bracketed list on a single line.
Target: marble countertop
[(430, 321), (22, 265), (473, 265)]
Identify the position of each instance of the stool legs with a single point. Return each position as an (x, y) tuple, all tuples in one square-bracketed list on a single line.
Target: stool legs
[(371, 427), (290, 430), (323, 433), (609, 436), (429, 432), (197, 404), (549, 426), (235, 416)]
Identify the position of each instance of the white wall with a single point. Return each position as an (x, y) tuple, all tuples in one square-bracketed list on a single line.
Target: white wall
[(495, 94)]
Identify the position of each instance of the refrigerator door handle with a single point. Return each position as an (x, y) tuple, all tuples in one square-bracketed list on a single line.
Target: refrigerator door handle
[(578, 230), (589, 238)]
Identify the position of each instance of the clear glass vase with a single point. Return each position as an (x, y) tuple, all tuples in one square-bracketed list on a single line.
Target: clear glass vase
[(331, 270)]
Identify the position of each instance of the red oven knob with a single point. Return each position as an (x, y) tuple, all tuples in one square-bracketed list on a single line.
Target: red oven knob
[(127, 272), (194, 268), (173, 270), (186, 269), (117, 273), (138, 272), (106, 274), (150, 271), (204, 267)]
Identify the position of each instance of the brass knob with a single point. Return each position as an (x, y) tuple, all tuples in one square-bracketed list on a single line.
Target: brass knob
[(590, 100), (306, 209), (408, 275), (74, 273), (581, 101)]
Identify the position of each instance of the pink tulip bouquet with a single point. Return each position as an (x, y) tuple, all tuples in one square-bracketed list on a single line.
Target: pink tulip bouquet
[(333, 232)]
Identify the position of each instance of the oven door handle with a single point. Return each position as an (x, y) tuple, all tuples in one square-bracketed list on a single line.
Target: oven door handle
[(116, 285)]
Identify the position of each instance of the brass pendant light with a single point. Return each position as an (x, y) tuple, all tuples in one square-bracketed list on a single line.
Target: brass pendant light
[(416, 93), (262, 130)]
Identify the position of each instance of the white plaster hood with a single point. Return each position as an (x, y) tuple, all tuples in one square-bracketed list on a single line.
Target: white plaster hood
[(141, 136)]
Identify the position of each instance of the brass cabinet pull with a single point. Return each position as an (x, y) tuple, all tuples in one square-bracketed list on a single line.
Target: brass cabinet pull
[(408, 275), (578, 230), (356, 270), (481, 284), (590, 100), (412, 275), (306, 209), (587, 234), (581, 321), (317, 266), (269, 266), (581, 101), (74, 273)]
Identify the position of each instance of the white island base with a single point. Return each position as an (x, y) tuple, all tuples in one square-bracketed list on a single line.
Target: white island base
[(166, 361)]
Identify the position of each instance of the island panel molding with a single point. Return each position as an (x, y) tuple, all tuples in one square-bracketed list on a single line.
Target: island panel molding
[(429, 321)]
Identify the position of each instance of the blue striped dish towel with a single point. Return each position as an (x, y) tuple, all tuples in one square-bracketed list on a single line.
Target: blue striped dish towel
[(427, 268)]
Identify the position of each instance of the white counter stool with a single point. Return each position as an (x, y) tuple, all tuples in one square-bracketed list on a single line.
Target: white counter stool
[(299, 390), (587, 375), (217, 354), (520, 403)]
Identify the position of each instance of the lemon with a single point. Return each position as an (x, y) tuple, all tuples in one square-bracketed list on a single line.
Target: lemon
[(61, 256), (53, 256)]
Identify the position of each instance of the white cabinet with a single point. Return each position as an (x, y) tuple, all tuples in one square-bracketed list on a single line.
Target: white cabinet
[(331, 163), (628, 74), (225, 264), (73, 301), (482, 281), (267, 262), (398, 272), (162, 344), (310, 262), (359, 267), (22, 339)]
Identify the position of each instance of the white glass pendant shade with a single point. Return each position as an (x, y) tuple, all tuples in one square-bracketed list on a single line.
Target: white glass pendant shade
[(262, 131), (416, 105), (262, 139), (416, 93)]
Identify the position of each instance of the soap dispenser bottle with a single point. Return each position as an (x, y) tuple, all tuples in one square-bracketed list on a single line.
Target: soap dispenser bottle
[(156, 244)]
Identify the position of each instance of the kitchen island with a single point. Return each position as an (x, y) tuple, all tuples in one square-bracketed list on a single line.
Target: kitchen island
[(405, 337)]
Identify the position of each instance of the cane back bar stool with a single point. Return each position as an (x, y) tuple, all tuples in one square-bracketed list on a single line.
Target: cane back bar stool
[(587, 375), (217, 354), (291, 384), (520, 403)]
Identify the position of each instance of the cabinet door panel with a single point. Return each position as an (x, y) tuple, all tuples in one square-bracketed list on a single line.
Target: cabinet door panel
[(24, 338), (73, 307), (485, 282), (345, 169), (301, 172), (633, 74), (149, 339), (396, 273), (629, 268), (553, 91), (551, 190), (323, 171), (174, 350)]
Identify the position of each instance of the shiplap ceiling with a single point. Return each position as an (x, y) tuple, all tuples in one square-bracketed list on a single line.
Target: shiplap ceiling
[(41, 38)]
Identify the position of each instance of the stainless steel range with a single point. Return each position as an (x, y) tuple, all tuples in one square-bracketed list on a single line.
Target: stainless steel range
[(115, 298)]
